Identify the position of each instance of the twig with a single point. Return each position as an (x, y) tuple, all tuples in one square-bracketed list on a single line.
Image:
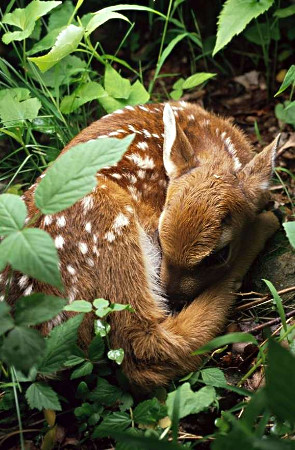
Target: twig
[(13, 433), (271, 322), (263, 299)]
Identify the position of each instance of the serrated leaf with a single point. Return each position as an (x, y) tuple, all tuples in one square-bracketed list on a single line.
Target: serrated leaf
[(59, 345), (285, 12), (66, 42), (73, 360), (197, 79), (85, 369), (22, 348), (6, 321), (234, 18), (14, 112), (229, 338), (37, 308), (31, 251), (79, 306), (96, 348), (105, 393), (60, 16), (13, 212), (290, 232), (83, 94), (213, 377), (47, 42), (41, 396), (100, 18), (149, 412), (116, 355), (191, 402), (25, 18), (72, 176), (118, 421)]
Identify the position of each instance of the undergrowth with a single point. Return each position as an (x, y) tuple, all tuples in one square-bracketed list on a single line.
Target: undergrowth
[(55, 79)]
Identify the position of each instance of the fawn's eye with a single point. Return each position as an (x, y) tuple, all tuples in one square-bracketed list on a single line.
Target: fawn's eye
[(218, 257)]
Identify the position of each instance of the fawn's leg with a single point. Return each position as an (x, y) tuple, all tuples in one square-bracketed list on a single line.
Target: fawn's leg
[(200, 321)]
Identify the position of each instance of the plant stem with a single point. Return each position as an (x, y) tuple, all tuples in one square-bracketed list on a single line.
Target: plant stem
[(20, 426)]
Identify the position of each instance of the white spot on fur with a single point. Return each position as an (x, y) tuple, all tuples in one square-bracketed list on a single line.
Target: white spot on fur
[(264, 185), (231, 150), (119, 111), (142, 162), (144, 108), (28, 291), (71, 270), (61, 221), (94, 238), (169, 139), (146, 133), (102, 136), (141, 174), (116, 175), (132, 178), (134, 130), (95, 250), (134, 193), (142, 145), (83, 248), (90, 262), (130, 108), (109, 236), (43, 175), (129, 208), (59, 241), (183, 103), (191, 117), (155, 135), (72, 295), (23, 281), (47, 220), (120, 221), (87, 203), (88, 227)]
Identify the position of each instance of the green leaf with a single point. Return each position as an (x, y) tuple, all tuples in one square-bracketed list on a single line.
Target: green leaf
[(167, 52), (101, 329), (13, 212), (6, 321), (60, 16), (115, 85), (102, 16), (285, 12), (82, 306), (134, 441), (280, 382), (191, 402), (41, 396), (14, 111), (47, 42), (96, 348), (102, 307), (262, 34), (214, 377), (83, 94), (73, 175), (31, 251), (66, 42), (25, 18), (85, 369), (22, 348), (117, 421), (73, 360), (286, 112), (59, 345), (229, 338), (116, 355), (235, 16), (197, 79), (37, 308), (121, 307), (288, 80), (149, 412), (290, 232), (278, 302), (105, 393)]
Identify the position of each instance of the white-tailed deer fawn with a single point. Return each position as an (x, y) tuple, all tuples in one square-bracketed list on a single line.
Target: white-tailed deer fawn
[(183, 203)]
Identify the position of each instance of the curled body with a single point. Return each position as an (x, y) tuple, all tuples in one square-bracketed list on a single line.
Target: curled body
[(173, 226)]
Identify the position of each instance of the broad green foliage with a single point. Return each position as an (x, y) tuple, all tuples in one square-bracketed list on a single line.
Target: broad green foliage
[(290, 232), (83, 94), (229, 338), (190, 402), (21, 249), (25, 19), (66, 42), (73, 174), (288, 80), (235, 16), (37, 308), (13, 213), (41, 396), (16, 106), (189, 83)]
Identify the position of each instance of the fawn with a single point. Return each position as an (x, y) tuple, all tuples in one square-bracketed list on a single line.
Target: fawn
[(173, 226)]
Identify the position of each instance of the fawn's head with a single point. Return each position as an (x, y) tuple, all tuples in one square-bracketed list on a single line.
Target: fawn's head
[(207, 210)]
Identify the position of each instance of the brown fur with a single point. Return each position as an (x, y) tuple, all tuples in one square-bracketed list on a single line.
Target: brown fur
[(205, 199)]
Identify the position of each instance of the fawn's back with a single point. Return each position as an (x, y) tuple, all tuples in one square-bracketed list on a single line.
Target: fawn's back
[(176, 205)]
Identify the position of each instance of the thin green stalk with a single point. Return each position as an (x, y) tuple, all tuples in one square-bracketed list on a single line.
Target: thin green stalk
[(285, 189), (151, 87), (20, 426)]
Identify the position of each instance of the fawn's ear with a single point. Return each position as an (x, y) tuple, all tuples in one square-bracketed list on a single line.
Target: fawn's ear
[(257, 173), (178, 155)]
